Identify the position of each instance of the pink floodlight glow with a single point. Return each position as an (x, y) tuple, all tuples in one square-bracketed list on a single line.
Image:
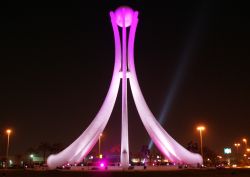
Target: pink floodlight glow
[(102, 165), (124, 69), (124, 13)]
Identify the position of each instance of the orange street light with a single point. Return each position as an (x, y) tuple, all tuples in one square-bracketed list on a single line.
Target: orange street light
[(220, 157), (237, 145), (245, 141), (99, 147), (8, 132), (200, 129)]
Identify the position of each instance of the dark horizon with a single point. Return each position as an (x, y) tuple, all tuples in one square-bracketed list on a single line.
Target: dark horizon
[(56, 66)]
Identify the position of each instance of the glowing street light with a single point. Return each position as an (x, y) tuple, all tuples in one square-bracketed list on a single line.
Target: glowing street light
[(237, 145), (8, 132), (31, 158), (100, 145), (220, 157), (245, 141), (200, 129)]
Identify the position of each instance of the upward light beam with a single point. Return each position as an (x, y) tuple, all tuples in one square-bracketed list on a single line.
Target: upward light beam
[(181, 69), (124, 17)]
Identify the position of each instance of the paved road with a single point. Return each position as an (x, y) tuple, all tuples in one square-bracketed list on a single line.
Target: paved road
[(172, 173)]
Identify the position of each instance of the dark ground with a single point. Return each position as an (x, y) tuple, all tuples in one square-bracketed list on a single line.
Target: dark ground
[(179, 173)]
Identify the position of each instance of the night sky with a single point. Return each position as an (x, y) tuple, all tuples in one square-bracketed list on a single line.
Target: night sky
[(56, 63)]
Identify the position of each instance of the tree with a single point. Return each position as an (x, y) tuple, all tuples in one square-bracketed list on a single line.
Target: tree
[(192, 146), (210, 157), (31, 150), (145, 152), (56, 148), (115, 149), (44, 147)]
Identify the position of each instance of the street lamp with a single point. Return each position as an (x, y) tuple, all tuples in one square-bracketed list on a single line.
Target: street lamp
[(31, 159), (200, 129), (100, 145), (8, 132), (237, 145), (245, 141)]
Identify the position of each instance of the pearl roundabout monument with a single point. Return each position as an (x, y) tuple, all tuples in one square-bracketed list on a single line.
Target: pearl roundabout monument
[(124, 19)]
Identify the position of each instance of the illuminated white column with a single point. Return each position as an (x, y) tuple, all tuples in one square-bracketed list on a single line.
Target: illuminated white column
[(124, 126)]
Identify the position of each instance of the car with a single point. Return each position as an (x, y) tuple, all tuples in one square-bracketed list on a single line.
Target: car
[(234, 165), (220, 166), (64, 167)]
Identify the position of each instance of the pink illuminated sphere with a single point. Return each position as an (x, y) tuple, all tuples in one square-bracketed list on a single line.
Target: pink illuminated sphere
[(124, 12)]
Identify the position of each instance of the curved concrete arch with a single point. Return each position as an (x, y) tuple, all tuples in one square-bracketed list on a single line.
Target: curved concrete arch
[(165, 143), (75, 152)]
